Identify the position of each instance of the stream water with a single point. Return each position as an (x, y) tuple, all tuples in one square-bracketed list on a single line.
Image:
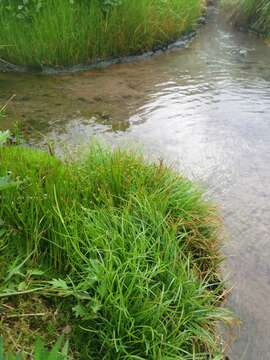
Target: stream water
[(206, 110)]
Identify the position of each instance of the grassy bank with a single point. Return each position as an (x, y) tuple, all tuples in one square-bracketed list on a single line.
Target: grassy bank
[(64, 32), (119, 256), (254, 14)]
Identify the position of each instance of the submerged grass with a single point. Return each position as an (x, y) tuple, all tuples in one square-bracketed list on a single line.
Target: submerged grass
[(126, 251), (252, 13), (65, 32)]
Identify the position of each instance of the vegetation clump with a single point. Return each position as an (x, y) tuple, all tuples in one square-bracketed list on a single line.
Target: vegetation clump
[(119, 255), (39, 353), (254, 14), (68, 32)]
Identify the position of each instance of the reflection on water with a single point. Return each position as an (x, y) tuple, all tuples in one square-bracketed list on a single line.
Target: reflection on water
[(205, 109)]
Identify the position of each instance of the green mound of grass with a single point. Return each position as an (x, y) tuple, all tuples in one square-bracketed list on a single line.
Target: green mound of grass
[(120, 255), (65, 32)]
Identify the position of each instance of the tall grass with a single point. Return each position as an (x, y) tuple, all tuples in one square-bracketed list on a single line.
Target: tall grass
[(253, 13), (129, 251), (62, 33)]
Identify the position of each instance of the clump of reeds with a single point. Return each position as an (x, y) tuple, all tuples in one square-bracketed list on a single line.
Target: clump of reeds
[(65, 33)]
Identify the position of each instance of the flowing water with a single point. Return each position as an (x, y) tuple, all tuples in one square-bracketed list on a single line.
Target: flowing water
[(206, 110)]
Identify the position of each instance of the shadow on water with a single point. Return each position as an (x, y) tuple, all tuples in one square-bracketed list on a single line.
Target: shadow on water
[(205, 109)]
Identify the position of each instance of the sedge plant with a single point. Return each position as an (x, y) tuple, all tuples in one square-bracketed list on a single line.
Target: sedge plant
[(127, 251), (64, 32)]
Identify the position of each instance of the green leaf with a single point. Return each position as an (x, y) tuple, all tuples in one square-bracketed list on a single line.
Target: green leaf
[(96, 307), (65, 350), (39, 350), (59, 284), (54, 353), (80, 311), (1, 348), (35, 272), (22, 286)]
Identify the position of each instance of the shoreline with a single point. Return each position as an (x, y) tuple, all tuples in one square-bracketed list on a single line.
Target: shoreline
[(182, 43)]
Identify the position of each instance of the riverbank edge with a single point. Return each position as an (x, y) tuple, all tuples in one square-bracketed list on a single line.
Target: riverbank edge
[(249, 30), (241, 22), (182, 43)]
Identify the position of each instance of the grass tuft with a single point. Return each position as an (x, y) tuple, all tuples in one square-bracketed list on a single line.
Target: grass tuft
[(126, 251)]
